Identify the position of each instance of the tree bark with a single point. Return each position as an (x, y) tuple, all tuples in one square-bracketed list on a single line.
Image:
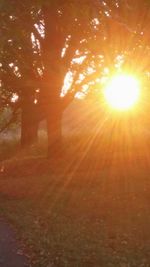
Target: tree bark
[(53, 78), (29, 125)]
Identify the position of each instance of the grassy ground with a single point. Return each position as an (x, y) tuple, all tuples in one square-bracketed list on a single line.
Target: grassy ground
[(91, 209)]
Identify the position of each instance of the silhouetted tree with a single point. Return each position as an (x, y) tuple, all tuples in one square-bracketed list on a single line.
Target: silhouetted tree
[(60, 49)]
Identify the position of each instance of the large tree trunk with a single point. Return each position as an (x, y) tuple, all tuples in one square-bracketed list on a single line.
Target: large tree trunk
[(53, 78), (29, 125)]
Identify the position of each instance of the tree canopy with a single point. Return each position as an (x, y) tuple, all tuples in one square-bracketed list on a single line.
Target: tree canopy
[(53, 51)]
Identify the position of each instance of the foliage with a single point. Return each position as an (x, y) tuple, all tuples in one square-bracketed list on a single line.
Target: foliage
[(53, 51)]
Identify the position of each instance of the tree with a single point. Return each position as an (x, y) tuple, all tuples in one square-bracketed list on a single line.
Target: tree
[(67, 48), (55, 65), (19, 74), (91, 34)]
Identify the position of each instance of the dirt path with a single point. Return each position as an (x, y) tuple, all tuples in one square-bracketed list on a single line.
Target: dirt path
[(10, 253)]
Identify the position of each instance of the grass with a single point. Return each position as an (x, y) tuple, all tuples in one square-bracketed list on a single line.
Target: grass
[(91, 209)]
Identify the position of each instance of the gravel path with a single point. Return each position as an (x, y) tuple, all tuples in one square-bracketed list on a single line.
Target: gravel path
[(10, 253)]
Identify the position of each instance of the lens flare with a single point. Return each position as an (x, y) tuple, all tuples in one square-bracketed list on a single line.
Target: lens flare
[(122, 92)]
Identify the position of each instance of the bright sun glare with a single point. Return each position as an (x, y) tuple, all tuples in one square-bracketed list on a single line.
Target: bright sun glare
[(122, 92)]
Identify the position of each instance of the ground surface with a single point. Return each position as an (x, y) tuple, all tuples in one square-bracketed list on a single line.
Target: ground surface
[(10, 253), (91, 210)]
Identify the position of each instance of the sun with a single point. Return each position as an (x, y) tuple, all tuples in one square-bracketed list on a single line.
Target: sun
[(122, 92)]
